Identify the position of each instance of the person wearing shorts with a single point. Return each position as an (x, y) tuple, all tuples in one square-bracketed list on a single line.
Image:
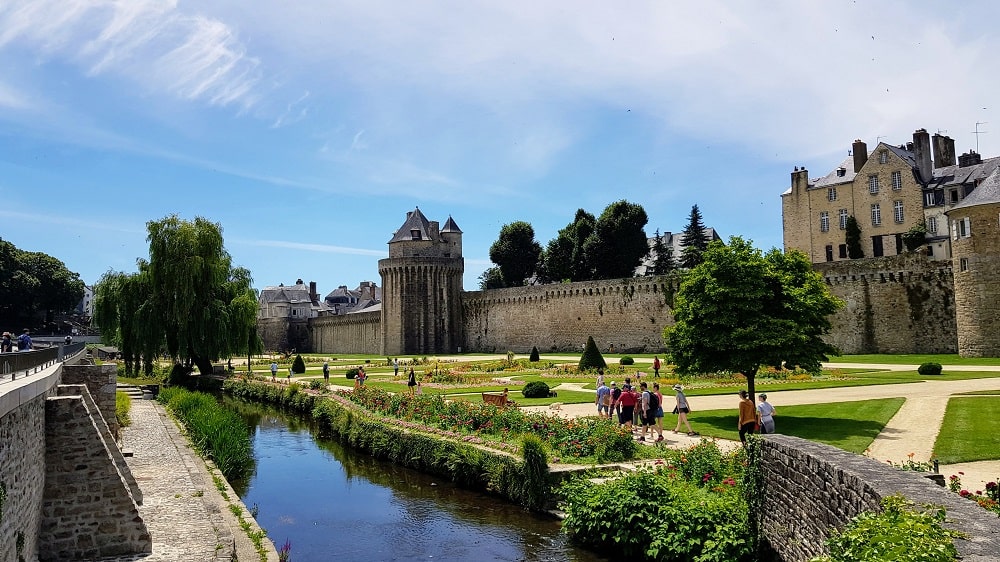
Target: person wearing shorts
[(603, 400)]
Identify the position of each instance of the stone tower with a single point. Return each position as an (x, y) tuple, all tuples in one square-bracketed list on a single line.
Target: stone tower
[(975, 245), (422, 288)]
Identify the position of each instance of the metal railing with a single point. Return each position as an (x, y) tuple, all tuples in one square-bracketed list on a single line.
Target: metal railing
[(26, 363)]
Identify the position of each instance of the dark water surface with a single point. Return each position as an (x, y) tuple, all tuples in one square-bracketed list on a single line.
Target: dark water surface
[(334, 503)]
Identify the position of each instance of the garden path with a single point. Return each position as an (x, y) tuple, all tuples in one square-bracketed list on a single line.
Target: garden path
[(912, 430)]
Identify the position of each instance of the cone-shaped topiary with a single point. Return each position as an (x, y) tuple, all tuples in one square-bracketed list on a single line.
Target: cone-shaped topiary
[(534, 354), (592, 358), (298, 366)]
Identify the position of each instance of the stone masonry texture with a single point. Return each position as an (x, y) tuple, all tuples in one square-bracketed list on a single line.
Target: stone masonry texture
[(811, 488), (22, 473)]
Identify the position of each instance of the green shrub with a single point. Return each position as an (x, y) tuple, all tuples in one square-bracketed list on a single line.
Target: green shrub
[(929, 369), (352, 373), (216, 432), (298, 366), (534, 355), (626, 360), (591, 358), (897, 534), (179, 374), (123, 405), (535, 389), (316, 385)]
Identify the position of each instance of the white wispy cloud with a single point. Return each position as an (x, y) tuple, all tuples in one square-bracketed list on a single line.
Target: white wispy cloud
[(325, 248), (69, 222), (151, 42)]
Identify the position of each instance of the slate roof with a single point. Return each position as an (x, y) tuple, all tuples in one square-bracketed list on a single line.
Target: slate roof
[(832, 178), (450, 226), (955, 175), (294, 293), (986, 193), (414, 221)]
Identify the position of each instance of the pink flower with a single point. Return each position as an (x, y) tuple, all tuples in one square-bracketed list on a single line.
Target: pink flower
[(964, 493)]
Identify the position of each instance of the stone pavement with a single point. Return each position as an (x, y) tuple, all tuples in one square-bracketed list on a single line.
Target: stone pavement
[(912, 430), (187, 518)]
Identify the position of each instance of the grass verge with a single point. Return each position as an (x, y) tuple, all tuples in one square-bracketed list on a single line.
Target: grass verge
[(851, 426), (969, 430), (942, 358)]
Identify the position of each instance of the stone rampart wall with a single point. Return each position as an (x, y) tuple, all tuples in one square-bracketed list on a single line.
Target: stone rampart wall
[(102, 382), (898, 304), (811, 488), (349, 333), (22, 475), (629, 314)]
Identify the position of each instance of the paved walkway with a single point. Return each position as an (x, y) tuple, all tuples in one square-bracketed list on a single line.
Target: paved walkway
[(186, 516), (912, 430)]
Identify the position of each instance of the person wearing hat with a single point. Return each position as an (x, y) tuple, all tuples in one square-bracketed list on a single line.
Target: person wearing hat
[(682, 409), (6, 345)]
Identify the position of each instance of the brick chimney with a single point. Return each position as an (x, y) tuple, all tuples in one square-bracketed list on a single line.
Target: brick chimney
[(970, 158), (922, 154), (313, 295), (800, 180), (860, 151), (944, 151)]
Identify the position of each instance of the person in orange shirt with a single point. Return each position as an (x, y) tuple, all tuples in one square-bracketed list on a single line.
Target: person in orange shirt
[(748, 416)]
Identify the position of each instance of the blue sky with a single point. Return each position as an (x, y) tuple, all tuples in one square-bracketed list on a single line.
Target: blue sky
[(309, 129)]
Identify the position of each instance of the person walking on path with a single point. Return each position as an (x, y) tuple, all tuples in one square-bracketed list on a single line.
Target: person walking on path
[(647, 412), (395, 367), (603, 400), (682, 409), (326, 372), (6, 345), (274, 371), (659, 411), (411, 381), (766, 412), (656, 367), (600, 377), (628, 401), (616, 397), (748, 417), (289, 374), (24, 341)]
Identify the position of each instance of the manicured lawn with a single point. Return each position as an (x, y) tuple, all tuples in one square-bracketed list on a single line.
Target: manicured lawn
[(851, 426), (970, 430), (982, 393), (944, 359)]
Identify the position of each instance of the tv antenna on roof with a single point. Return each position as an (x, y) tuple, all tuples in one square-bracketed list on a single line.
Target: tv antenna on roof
[(977, 132)]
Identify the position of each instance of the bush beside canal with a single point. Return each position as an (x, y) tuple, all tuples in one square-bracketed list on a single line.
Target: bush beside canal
[(216, 432)]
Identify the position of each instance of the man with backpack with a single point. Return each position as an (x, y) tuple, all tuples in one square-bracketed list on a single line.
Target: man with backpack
[(616, 406), (24, 341), (648, 404)]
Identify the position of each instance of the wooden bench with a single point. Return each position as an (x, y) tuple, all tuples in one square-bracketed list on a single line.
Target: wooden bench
[(497, 400)]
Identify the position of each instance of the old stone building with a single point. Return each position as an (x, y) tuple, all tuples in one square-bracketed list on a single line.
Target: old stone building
[(888, 191), (975, 239)]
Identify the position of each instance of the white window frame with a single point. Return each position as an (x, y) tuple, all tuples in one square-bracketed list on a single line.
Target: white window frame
[(961, 228), (963, 264), (831, 194), (897, 181), (824, 221), (876, 214), (897, 211), (932, 225), (883, 156), (873, 184), (929, 199), (843, 219)]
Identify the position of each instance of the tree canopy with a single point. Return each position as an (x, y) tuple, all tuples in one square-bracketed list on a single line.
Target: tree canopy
[(740, 309), (694, 240), (565, 258), (516, 253), (187, 299), (34, 283), (618, 243), (663, 256), (852, 237)]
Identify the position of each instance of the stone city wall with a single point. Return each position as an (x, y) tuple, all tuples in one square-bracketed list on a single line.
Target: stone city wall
[(629, 314), (898, 304), (22, 476), (102, 382), (360, 332), (810, 488), (284, 334)]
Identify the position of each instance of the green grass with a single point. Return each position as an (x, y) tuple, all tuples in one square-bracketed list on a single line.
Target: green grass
[(942, 358), (969, 430), (982, 393), (851, 426)]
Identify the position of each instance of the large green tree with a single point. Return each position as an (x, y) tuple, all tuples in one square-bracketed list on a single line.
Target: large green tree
[(618, 243), (694, 240), (663, 256), (198, 307), (565, 258), (852, 237), (740, 309), (33, 284), (516, 253)]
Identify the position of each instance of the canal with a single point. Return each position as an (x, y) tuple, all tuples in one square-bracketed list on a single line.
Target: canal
[(333, 503)]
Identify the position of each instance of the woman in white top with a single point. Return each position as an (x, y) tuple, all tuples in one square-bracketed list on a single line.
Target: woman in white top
[(766, 411), (682, 409)]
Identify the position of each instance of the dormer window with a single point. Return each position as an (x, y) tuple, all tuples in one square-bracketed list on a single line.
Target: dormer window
[(841, 172), (415, 234)]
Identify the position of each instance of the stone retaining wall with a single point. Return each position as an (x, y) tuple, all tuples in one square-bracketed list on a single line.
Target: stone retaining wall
[(348, 333), (811, 488), (22, 474)]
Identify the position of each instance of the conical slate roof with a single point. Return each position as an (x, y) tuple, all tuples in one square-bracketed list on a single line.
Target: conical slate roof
[(415, 220), (450, 226), (985, 193)]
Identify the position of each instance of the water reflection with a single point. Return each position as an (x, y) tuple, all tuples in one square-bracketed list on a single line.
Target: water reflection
[(335, 503)]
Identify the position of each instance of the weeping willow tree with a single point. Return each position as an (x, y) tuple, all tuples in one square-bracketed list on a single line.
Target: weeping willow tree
[(187, 299)]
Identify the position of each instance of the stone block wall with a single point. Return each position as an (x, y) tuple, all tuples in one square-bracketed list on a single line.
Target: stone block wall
[(349, 333), (87, 510), (22, 475), (629, 314), (898, 304), (285, 334), (977, 281), (102, 382), (811, 488)]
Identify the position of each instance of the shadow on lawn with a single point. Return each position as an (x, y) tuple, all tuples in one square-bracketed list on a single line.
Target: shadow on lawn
[(834, 431)]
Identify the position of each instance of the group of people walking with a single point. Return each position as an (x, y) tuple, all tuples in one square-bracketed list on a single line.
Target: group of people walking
[(755, 418)]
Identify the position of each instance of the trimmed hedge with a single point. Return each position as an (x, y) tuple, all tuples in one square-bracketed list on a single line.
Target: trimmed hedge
[(626, 360), (524, 482), (534, 354), (929, 369), (298, 366), (535, 389)]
